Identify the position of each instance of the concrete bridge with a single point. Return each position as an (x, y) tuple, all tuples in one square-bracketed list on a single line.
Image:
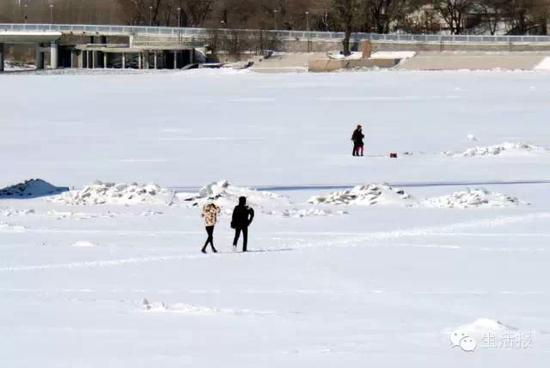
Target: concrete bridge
[(85, 46), (38, 38), (169, 47)]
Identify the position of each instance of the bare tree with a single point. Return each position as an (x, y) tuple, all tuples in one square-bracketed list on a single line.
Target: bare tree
[(454, 13), (420, 17), (189, 13), (493, 13), (196, 11), (381, 14), (527, 16), (346, 12)]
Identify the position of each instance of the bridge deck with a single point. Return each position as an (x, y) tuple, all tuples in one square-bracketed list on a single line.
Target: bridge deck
[(202, 33)]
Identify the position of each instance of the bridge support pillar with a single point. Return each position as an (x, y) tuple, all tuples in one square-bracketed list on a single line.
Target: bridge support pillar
[(94, 59), (73, 59), (156, 60), (140, 60), (105, 60), (39, 60), (54, 55), (146, 60), (123, 61), (1, 57), (175, 59)]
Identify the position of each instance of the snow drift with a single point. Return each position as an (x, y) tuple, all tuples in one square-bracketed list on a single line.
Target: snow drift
[(498, 149), (338, 55), (393, 55), (484, 332), (304, 212), (178, 308), (83, 244), (7, 212), (473, 198), (544, 64), (227, 196), (184, 308), (5, 227), (32, 188), (367, 195), (100, 193)]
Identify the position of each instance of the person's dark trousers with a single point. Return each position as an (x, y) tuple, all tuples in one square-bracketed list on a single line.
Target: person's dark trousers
[(210, 240), (238, 231), (355, 148)]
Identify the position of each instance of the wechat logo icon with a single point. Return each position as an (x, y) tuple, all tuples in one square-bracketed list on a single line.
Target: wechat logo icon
[(463, 340)]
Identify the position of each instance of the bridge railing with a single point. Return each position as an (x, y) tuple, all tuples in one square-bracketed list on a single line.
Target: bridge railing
[(118, 30)]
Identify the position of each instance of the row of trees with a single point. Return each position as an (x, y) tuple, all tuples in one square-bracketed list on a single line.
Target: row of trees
[(59, 11), (381, 16)]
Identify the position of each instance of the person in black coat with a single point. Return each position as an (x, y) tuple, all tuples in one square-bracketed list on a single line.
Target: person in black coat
[(357, 138), (241, 220)]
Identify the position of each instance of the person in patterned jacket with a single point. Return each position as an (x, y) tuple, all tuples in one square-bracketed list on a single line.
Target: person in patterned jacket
[(210, 214)]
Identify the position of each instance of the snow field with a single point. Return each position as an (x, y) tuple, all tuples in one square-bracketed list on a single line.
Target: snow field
[(377, 275)]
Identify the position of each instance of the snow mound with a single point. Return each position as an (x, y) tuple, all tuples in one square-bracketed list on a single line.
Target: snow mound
[(473, 198), (483, 332), (101, 193), (498, 149), (17, 66), (393, 55), (178, 308), (227, 196), (9, 228), (78, 216), (367, 195), (8, 212), (32, 188), (337, 55), (302, 213), (151, 213), (544, 64), (184, 308), (84, 244), (311, 212)]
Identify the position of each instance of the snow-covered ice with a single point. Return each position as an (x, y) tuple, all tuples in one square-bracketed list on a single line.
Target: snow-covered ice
[(324, 285)]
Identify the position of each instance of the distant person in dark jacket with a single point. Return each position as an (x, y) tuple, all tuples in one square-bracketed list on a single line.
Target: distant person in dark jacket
[(241, 220), (357, 138)]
